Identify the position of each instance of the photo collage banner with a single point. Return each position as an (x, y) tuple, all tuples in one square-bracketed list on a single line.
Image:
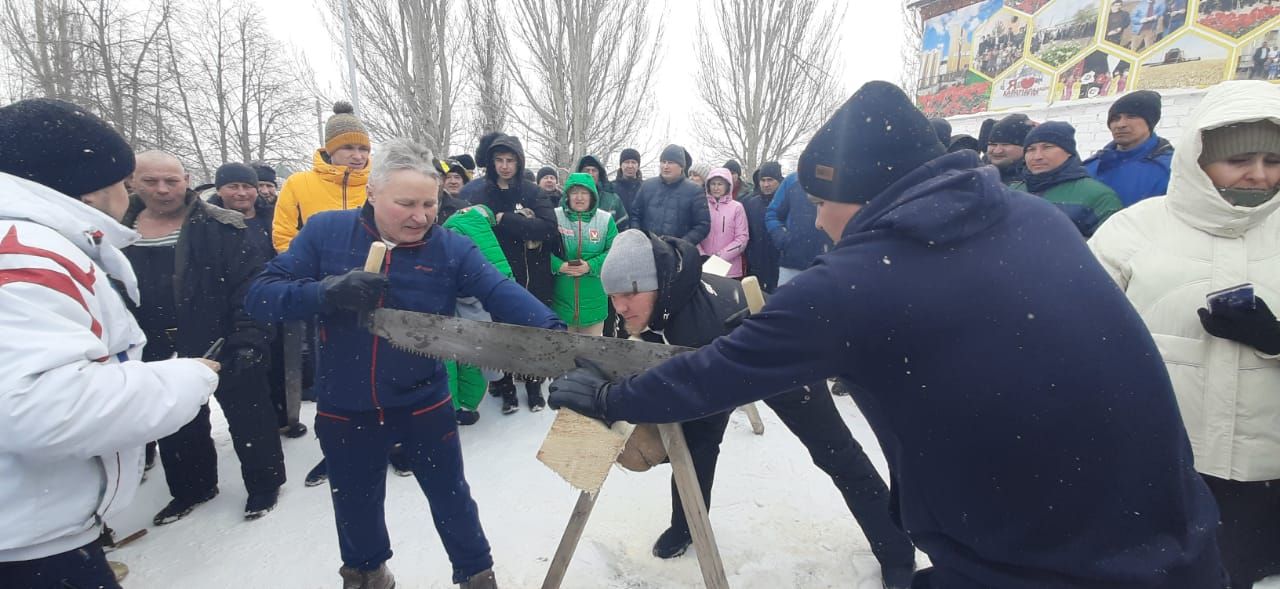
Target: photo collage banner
[(1001, 54)]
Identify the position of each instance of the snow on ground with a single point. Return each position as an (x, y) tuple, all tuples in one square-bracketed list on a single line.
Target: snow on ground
[(778, 520)]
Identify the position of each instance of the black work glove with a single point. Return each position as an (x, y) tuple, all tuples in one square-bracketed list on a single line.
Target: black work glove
[(584, 389), (356, 290), (1256, 327), (246, 360)]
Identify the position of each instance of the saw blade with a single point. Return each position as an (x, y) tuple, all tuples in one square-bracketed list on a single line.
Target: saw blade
[(519, 350)]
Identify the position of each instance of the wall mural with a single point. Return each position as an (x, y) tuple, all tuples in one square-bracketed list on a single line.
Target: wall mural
[(981, 55)]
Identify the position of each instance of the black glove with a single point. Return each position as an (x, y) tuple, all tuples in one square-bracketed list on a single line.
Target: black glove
[(1256, 327), (246, 360), (356, 290), (584, 389)]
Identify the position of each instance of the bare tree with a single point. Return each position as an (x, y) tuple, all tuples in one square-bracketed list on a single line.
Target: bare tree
[(405, 61), (765, 76), (912, 43), (489, 85), (43, 38), (586, 81)]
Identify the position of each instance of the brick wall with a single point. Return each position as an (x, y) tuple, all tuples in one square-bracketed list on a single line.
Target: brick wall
[(1089, 117)]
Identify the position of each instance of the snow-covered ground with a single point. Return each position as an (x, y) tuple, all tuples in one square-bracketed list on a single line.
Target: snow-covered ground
[(778, 520)]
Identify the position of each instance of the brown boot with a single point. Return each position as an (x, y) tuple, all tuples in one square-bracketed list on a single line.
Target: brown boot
[(480, 580), (358, 579)]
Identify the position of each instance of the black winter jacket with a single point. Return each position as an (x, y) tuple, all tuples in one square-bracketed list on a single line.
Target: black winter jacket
[(692, 306), (215, 260), (678, 209), (762, 255), (530, 266)]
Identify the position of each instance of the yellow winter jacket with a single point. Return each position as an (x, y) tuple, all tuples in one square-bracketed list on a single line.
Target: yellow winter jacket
[(325, 188)]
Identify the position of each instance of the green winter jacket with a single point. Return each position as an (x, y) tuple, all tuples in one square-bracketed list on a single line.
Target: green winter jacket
[(477, 224), (466, 383), (580, 300), (1087, 202)]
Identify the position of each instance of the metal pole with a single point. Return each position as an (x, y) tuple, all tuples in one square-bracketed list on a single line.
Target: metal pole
[(351, 63)]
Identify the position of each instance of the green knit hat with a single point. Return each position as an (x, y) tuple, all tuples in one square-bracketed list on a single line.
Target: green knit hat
[(1231, 140)]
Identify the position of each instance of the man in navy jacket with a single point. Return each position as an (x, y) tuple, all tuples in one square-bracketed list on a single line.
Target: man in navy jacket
[(1031, 431), (371, 395)]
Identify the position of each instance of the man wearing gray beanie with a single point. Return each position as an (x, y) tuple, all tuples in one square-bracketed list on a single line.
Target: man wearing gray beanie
[(670, 204), (660, 292)]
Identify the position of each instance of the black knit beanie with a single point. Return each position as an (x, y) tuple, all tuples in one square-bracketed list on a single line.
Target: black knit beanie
[(62, 146), (1058, 133), (234, 172), (943, 129), (629, 154), (465, 160), (770, 170), (265, 173), (962, 141), (1143, 103), (1012, 129), (545, 171), (734, 167), (873, 140)]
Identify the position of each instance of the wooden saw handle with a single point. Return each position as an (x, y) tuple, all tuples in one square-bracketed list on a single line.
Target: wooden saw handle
[(373, 263), (755, 297)]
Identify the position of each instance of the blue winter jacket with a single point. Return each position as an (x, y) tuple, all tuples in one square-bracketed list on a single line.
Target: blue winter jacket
[(358, 371), (790, 221), (1139, 173), (1031, 431)]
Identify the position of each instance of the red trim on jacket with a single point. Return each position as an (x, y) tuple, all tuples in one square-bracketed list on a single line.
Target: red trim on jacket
[(11, 245), (55, 281)]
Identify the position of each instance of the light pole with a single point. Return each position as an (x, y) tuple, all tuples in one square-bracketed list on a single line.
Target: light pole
[(351, 63)]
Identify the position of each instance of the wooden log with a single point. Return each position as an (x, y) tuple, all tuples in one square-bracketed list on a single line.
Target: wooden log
[(582, 450), (294, 334)]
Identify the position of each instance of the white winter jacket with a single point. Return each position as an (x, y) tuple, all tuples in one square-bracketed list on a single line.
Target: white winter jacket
[(1167, 253), (76, 407)]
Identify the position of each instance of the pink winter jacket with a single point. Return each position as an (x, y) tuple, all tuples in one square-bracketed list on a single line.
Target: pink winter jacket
[(728, 236)]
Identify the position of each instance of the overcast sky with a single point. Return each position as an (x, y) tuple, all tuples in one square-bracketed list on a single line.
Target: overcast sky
[(870, 36)]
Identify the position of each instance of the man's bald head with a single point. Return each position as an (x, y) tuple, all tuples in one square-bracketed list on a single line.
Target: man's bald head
[(161, 182), (161, 159)]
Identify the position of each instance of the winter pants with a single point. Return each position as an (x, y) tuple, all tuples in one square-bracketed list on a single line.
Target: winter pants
[(356, 447), (810, 413), (190, 460), (1249, 534), (83, 568), (703, 437), (466, 385), (813, 418)]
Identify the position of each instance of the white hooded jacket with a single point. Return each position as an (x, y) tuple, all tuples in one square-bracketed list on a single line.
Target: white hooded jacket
[(76, 407), (1167, 253)]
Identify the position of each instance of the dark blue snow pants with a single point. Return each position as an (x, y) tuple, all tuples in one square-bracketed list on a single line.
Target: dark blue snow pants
[(356, 447)]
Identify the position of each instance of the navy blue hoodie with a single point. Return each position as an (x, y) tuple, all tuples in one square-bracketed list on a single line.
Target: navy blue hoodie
[(1031, 431)]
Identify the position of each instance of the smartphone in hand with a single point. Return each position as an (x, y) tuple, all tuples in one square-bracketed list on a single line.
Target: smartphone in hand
[(1235, 298)]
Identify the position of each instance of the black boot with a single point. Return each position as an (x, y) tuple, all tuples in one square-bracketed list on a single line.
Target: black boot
[(260, 503), (293, 430), (467, 417), (672, 543), (318, 475), (179, 508), (534, 390)]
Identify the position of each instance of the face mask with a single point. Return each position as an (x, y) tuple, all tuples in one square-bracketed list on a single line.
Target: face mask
[(1247, 198)]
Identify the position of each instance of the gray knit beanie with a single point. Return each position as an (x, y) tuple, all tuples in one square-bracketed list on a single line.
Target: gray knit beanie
[(1232, 140), (629, 267)]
